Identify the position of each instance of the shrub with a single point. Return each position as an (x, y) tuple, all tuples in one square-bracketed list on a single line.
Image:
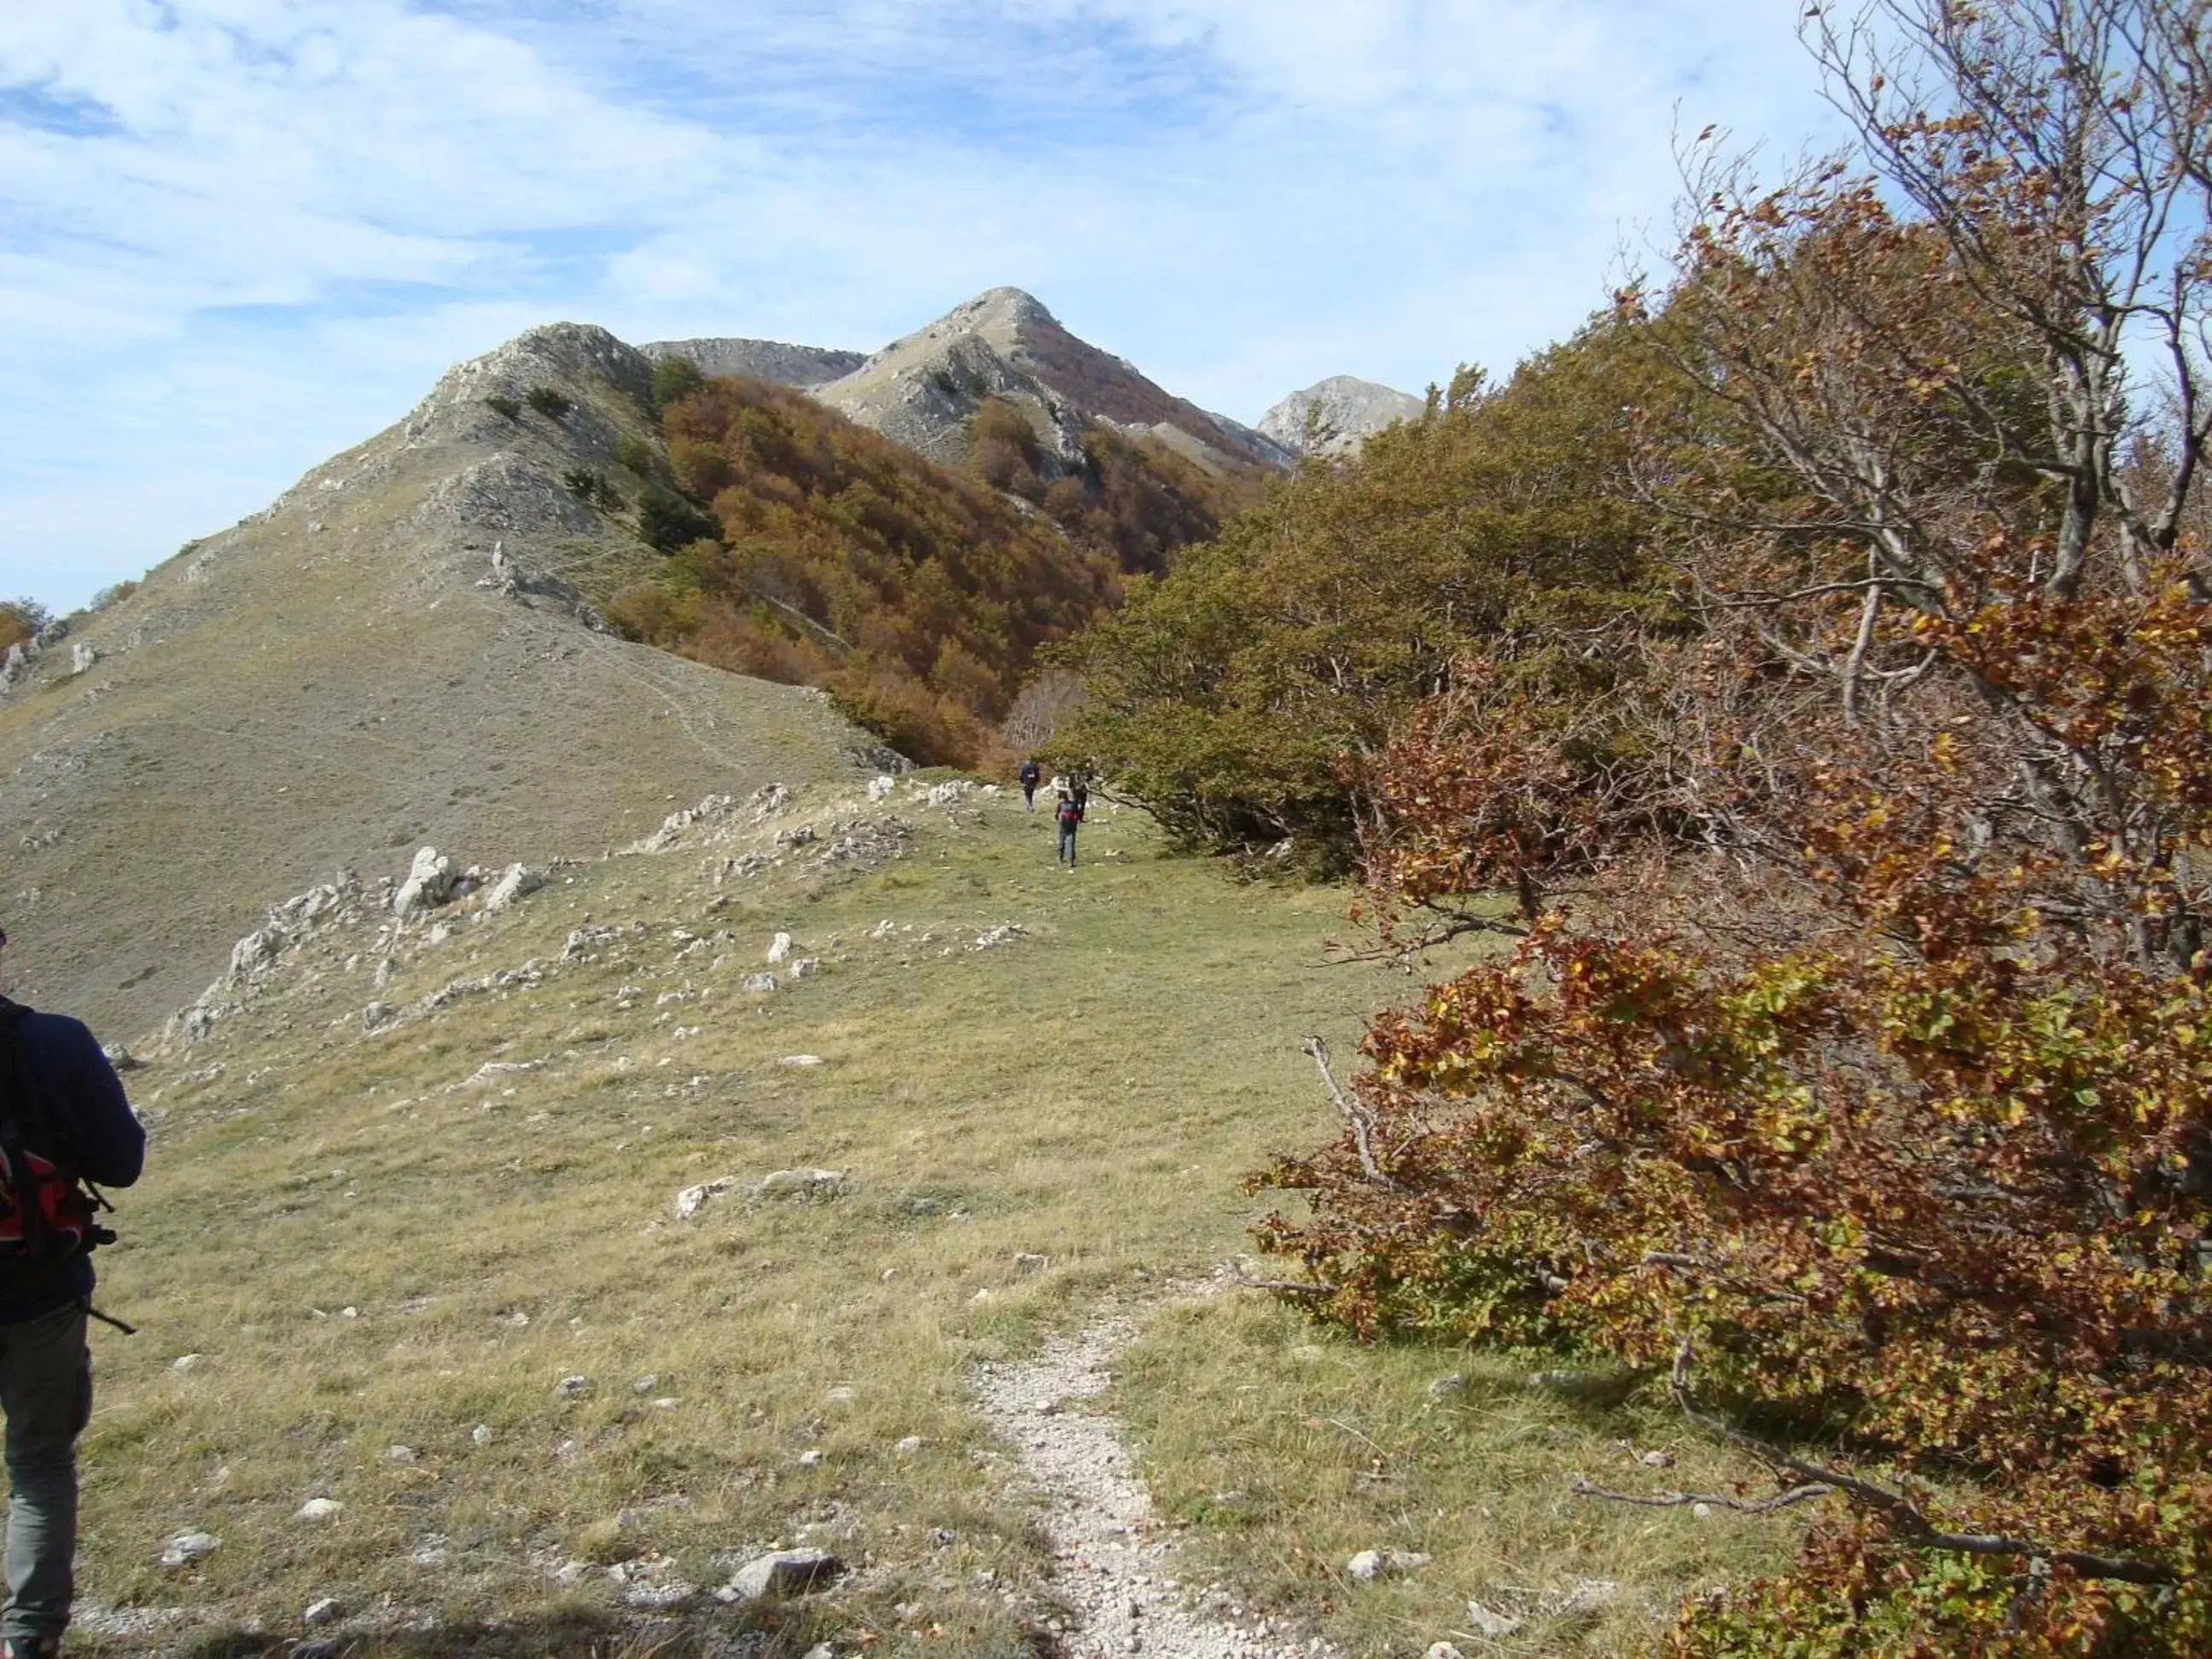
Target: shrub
[(551, 402), (114, 593), (674, 379), (635, 454), (667, 521), (502, 403)]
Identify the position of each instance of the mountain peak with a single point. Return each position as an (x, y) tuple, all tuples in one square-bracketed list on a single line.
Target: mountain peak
[(1336, 416)]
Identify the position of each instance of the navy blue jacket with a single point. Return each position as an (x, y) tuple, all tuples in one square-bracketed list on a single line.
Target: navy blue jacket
[(85, 1099)]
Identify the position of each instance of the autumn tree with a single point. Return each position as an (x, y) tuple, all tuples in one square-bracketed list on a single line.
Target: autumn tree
[(1880, 1132), (21, 621), (1237, 695)]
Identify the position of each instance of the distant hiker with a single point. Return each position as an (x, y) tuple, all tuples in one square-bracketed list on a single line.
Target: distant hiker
[(63, 1122), (1068, 815), (1029, 773), (1080, 792)]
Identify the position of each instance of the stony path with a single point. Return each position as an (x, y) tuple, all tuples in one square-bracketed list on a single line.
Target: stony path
[(1111, 1553)]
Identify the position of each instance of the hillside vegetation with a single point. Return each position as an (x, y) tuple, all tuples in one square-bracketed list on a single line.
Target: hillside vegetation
[(1230, 694), (919, 597), (1849, 791)]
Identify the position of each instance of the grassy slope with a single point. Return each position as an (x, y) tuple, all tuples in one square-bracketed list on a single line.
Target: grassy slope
[(324, 686), (1089, 1092)]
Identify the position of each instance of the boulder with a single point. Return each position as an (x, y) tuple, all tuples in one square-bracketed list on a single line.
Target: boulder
[(429, 883), (15, 668), (881, 786), (782, 1572), (760, 982), (82, 657), (778, 947), (317, 1508), (517, 880)]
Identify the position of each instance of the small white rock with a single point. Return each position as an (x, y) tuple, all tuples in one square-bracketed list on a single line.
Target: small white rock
[(317, 1508), (1703, 1511), (189, 1546), (1488, 1623), (321, 1611), (481, 1434), (187, 1362), (400, 1454), (808, 1460)]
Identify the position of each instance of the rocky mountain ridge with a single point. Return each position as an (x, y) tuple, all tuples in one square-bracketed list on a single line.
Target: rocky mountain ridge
[(404, 648)]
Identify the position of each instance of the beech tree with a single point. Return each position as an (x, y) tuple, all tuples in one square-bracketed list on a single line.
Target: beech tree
[(1884, 1122)]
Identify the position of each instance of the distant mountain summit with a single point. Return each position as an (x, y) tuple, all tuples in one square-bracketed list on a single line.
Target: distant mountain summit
[(922, 390), (799, 366), (1336, 417)]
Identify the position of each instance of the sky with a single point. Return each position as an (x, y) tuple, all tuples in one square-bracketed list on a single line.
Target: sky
[(237, 236)]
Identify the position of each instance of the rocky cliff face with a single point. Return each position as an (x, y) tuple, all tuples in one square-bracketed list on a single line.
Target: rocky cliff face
[(799, 365), (1336, 417), (921, 391), (400, 649)]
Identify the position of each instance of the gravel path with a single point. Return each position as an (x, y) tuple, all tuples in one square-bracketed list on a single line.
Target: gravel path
[(1110, 1549)]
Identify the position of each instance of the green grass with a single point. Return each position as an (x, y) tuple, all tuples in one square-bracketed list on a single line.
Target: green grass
[(1089, 1091)]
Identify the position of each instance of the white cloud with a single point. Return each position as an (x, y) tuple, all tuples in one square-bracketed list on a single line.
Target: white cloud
[(238, 234)]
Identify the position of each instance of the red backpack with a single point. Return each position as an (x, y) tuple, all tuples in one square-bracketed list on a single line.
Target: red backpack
[(47, 1213)]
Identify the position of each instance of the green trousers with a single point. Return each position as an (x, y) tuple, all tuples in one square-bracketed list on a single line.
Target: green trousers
[(45, 1388)]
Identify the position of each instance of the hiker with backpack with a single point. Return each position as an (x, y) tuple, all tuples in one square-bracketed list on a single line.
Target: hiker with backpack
[(65, 1129), (1067, 815), (1029, 775)]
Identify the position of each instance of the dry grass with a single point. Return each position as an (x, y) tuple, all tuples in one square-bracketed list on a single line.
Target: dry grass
[(372, 1244)]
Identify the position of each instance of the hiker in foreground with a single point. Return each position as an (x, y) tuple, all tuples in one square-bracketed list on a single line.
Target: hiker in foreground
[(64, 1123), (1029, 775), (1067, 815)]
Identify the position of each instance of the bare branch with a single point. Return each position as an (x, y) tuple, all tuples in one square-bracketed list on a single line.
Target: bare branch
[(1355, 1115)]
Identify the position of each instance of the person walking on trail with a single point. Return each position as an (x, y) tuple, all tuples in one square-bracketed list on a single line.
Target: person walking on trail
[(63, 1122), (1080, 792), (1067, 815), (1029, 773)]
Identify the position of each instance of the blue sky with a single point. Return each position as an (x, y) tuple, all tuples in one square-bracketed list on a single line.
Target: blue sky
[(239, 235)]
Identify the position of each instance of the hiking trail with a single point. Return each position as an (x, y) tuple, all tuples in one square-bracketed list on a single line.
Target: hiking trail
[(1112, 1564)]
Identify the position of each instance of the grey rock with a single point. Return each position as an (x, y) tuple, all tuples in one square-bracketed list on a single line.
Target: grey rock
[(806, 967), (16, 668), (82, 657), (1450, 1383), (399, 1454), (761, 982), (1442, 1650), (429, 883), (778, 947), (187, 1547), (571, 1388), (1368, 1565), (481, 1434), (322, 1611), (317, 1508), (377, 1015), (120, 1057), (1488, 1622), (517, 880), (782, 1572)]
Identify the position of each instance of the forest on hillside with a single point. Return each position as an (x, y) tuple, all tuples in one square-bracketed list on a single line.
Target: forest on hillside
[(1804, 677), (804, 549)]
